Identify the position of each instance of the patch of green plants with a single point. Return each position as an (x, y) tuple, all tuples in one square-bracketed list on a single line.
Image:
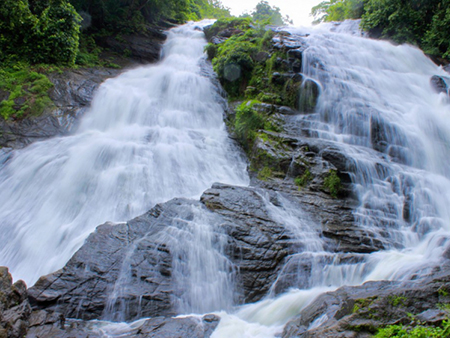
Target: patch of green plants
[(25, 89), (418, 331), (249, 121), (443, 291), (397, 300), (332, 183), (302, 181), (265, 173)]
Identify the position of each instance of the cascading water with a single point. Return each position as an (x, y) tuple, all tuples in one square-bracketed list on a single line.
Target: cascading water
[(378, 108), (152, 134)]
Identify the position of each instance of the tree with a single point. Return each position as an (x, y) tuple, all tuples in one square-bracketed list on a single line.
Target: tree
[(337, 10), (265, 12), (49, 35)]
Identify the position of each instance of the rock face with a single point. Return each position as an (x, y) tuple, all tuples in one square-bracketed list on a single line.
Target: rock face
[(17, 320), (72, 94), (143, 48), (15, 309), (360, 311), (159, 327), (138, 252), (440, 83)]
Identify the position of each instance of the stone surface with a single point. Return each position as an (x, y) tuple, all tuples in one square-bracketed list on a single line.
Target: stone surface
[(159, 327), (139, 253), (440, 83), (360, 311)]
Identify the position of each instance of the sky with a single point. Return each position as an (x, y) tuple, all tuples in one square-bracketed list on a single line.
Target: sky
[(298, 10)]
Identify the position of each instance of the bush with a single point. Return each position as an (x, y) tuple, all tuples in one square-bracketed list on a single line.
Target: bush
[(332, 183), (50, 36)]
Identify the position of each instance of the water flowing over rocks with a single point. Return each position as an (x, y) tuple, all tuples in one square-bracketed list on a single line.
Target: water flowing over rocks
[(257, 246), (346, 190)]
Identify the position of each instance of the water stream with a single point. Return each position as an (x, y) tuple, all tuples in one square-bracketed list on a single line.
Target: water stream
[(377, 107), (153, 133)]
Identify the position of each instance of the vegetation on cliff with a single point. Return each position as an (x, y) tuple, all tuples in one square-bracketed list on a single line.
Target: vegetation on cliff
[(38, 36), (425, 23)]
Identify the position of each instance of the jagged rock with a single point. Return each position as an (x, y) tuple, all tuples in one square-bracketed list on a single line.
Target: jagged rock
[(309, 96), (137, 252), (72, 94), (360, 311), (142, 47), (159, 327), (440, 83), (15, 309)]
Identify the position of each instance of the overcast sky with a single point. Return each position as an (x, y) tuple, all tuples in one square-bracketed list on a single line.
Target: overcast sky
[(298, 10)]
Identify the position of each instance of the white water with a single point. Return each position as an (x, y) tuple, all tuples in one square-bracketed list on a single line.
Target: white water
[(153, 133), (404, 187)]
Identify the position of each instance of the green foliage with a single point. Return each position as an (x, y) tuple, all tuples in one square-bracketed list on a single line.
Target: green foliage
[(234, 60), (268, 14), (28, 91), (129, 16), (332, 183), (337, 10), (247, 123), (422, 22), (303, 180), (398, 300), (50, 35), (418, 331), (265, 173)]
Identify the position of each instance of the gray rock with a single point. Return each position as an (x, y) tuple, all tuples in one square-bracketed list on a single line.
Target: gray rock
[(159, 327), (359, 311), (257, 246), (440, 83)]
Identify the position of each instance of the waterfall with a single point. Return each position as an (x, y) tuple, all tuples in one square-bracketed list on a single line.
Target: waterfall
[(157, 132), (378, 108), (153, 133)]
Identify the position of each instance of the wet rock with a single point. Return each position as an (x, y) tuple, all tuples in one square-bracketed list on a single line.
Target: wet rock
[(144, 48), (159, 327), (440, 83), (140, 254), (360, 311), (309, 96)]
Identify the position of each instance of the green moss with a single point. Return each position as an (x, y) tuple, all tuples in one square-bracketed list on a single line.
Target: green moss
[(264, 174), (332, 183), (302, 181), (397, 300), (417, 331), (443, 291)]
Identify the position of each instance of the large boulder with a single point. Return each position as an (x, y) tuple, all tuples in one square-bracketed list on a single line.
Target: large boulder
[(359, 311), (159, 327), (126, 271)]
